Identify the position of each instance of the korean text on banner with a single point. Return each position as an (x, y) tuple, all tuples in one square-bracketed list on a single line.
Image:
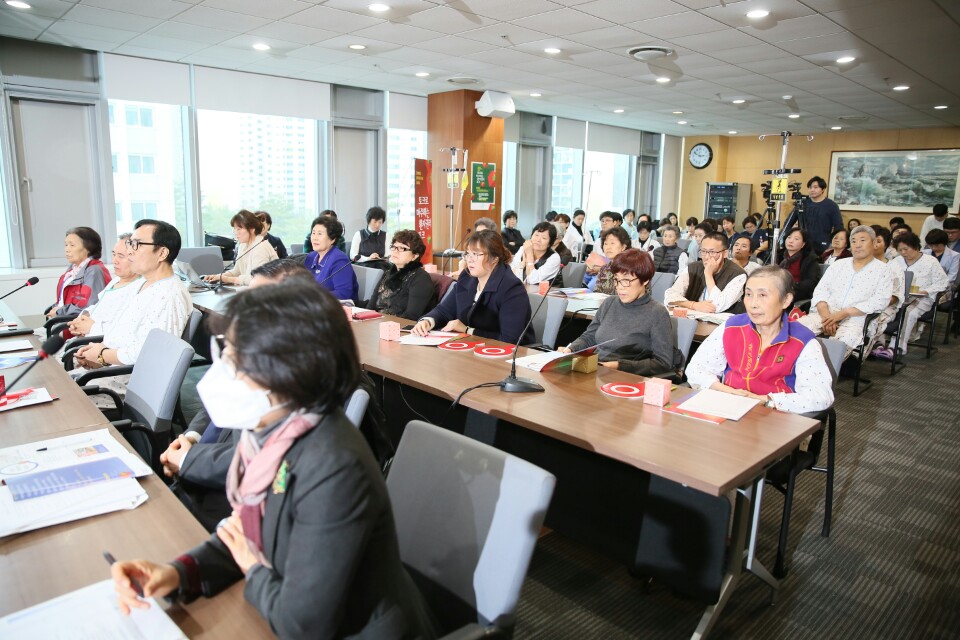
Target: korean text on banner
[(423, 193)]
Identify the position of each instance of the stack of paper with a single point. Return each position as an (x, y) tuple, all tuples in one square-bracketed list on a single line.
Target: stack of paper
[(74, 504), (91, 612), (719, 404), (432, 339), (25, 398), (7, 346)]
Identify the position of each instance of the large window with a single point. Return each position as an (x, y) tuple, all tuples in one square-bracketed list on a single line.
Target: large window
[(567, 183), (403, 146), (147, 153), (259, 163), (606, 182)]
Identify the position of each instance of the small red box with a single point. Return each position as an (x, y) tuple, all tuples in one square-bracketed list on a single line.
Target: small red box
[(389, 330), (657, 392)]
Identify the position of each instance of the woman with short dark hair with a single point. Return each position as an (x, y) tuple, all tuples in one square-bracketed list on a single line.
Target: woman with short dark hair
[(406, 290), (537, 261), (512, 238), (330, 266), (312, 533), (839, 247), (613, 242), (801, 261), (632, 329), (489, 300), (85, 276), (370, 243), (253, 249)]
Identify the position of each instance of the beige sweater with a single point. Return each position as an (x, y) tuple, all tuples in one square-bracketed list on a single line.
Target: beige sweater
[(262, 253)]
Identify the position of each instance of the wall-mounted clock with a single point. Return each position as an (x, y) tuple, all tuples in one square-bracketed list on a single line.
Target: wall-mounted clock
[(701, 155)]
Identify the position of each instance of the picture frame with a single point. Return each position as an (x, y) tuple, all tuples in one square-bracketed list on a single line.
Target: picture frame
[(895, 181)]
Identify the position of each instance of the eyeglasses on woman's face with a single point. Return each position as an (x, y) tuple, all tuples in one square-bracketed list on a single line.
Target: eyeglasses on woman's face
[(624, 282), (398, 248), (473, 255)]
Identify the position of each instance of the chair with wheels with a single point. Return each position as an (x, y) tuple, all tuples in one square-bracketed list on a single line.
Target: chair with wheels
[(573, 274), (367, 280), (204, 260), (660, 283), (468, 517), (356, 406), (684, 330), (546, 324)]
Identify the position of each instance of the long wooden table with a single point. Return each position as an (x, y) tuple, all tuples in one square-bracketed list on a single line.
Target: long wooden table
[(46, 563)]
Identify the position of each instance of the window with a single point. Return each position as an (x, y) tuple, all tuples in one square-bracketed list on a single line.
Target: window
[(403, 146), (606, 183), (113, 162), (567, 180), (241, 161), (110, 113), (151, 137)]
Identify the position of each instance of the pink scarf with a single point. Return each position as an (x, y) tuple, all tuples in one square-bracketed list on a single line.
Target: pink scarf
[(253, 470)]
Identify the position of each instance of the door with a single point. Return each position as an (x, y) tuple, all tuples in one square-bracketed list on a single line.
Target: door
[(533, 198), (58, 174), (355, 172)]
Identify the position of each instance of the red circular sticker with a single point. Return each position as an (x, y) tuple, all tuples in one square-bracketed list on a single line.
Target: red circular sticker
[(458, 346), (623, 389), (493, 352)]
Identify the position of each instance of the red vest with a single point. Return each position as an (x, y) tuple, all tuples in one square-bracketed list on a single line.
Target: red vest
[(772, 370)]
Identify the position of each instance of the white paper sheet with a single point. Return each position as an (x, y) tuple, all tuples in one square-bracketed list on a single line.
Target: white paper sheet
[(90, 613), (720, 404), (38, 396), (432, 339), (64, 451), (15, 345)]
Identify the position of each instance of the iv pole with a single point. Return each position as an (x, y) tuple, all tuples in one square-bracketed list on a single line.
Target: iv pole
[(778, 174), (454, 174)]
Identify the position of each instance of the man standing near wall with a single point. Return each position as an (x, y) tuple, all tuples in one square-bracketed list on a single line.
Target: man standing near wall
[(935, 221), (821, 215)]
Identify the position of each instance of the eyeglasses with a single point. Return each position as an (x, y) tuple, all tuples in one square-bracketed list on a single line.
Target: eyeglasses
[(218, 350), (472, 255), (624, 282), (134, 244), (398, 248), (712, 252)]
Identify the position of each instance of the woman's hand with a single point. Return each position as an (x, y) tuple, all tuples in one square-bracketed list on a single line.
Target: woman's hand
[(230, 532), (52, 312), (81, 326), (422, 328), (86, 355), (212, 278), (564, 350), (156, 579), (455, 325), (613, 364)]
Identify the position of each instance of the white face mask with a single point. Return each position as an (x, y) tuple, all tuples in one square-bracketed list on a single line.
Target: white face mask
[(231, 403)]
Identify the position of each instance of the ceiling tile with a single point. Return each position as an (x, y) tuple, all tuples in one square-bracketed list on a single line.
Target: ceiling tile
[(449, 20), (146, 52), (757, 51), (716, 41), (562, 22), (734, 14), (623, 11), (277, 47), (272, 9), (24, 21), (395, 33), (332, 19), (884, 13), (454, 45), (321, 54), (164, 9), (688, 23), (48, 8), (218, 19), (77, 30), (174, 45), (399, 9), (111, 19), (507, 10), (184, 31), (294, 32), (795, 28), (615, 37)]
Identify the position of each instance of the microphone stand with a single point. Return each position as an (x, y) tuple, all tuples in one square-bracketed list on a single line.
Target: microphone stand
[(29, 283), (513, 384), (233, 263)]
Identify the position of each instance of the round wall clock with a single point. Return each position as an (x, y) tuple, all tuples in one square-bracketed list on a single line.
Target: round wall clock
[(701, 155)]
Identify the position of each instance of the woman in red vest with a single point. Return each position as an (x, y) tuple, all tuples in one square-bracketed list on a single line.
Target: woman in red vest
[(86, 276)]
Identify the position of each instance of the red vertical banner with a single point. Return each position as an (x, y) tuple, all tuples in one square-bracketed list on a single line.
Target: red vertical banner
[(423, 211)]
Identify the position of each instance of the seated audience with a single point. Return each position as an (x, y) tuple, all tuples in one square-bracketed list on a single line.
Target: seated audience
[(792, 376), (699, 232), (673, 219), (253, 250), (951, 226), (275, 242), (484, 223), (614, 242), (929, 281), (596, 259), (742, 253), (341, 241), (895, 222), (759, 240), (370, 243), (668, 257), (632, 329), (849, 290), (691, 225), (949, 259), (728, 225), (566, 256), (713, 285), (312, 534), (161, 301), (629, 215), (576, 237), (645, 240), (934, 221), (896, 232), (95, 319), (853, 223), (801, 261), (405, 290), (512, 238), (536, 261), (889, 312), (85, 276), (489, 300), (839, 247), (643, 217), (330, 266)]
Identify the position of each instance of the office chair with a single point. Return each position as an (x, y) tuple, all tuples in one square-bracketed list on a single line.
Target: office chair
[(683, 331), (356, 406), (546, 324), (659, 285), (441, 284), (367, 280), (468, 517), (573, 273), (204, 260)]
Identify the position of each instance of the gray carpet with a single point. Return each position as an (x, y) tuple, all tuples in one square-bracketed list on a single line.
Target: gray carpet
[(890, 569)]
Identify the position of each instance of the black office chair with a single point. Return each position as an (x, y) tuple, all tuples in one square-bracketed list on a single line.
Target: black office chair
[(53, 325), (945, 302)]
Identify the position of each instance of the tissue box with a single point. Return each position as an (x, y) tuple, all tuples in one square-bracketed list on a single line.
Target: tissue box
[(656, 391), (586, 364), (389, 330), (544, 288)]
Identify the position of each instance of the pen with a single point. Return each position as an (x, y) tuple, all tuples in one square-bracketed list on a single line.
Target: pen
[(111, 560)]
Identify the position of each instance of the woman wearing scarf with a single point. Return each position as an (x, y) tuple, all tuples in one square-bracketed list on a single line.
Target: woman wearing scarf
[(86, 276), (406, 289), (800, 260), (312, 532)]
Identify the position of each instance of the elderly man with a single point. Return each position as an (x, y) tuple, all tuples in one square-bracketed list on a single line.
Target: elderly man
[(929, 281), (851, 289), (715, 284), (95, 319)]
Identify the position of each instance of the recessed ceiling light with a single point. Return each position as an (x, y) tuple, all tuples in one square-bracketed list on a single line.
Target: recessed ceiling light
[(358, 47), (535, 95), (422, 74), (663, 79), (901, 87), (681, 122), (678, 113), (836, 128), (733, 133), (618, 110), (788, 97), (261, 46), (379, 8), (940, 106), (794, 115), (552, 51), (756, 14), (845, 60), (16, 4), (739, 101)]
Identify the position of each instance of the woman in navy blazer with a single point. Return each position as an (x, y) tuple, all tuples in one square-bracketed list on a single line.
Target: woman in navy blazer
[(488, 301)]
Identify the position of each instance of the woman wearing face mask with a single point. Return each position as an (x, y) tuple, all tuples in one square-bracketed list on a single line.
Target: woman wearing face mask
[(312, 533)]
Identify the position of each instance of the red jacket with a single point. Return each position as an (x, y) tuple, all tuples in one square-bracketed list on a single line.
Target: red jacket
[(83, 288)]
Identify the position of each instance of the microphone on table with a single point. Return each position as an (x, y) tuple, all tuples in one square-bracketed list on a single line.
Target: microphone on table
[(52, 344), (29, 283), (234, 262), (513, 384), (455, 251)]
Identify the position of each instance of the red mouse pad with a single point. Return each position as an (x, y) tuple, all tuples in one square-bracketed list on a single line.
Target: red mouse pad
[(623, 390), (493, 352)]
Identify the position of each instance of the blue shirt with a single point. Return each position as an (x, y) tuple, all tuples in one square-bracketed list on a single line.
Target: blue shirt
[(335, 273), (820, 220)]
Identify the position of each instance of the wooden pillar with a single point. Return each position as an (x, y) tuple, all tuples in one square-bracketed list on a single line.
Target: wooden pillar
[(453, 121)]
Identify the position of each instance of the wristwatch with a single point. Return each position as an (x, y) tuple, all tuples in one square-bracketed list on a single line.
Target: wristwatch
[(100, 359)]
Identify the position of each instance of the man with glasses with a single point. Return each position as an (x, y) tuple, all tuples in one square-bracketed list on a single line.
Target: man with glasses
[(713, 285), (161, 302)]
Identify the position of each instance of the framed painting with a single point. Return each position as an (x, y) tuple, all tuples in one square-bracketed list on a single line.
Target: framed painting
[(908, 181)]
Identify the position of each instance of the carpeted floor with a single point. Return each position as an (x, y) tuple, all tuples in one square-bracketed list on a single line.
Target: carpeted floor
[(890, 569)]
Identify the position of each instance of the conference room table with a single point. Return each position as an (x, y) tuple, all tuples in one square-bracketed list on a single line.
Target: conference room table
[(38, 565)]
